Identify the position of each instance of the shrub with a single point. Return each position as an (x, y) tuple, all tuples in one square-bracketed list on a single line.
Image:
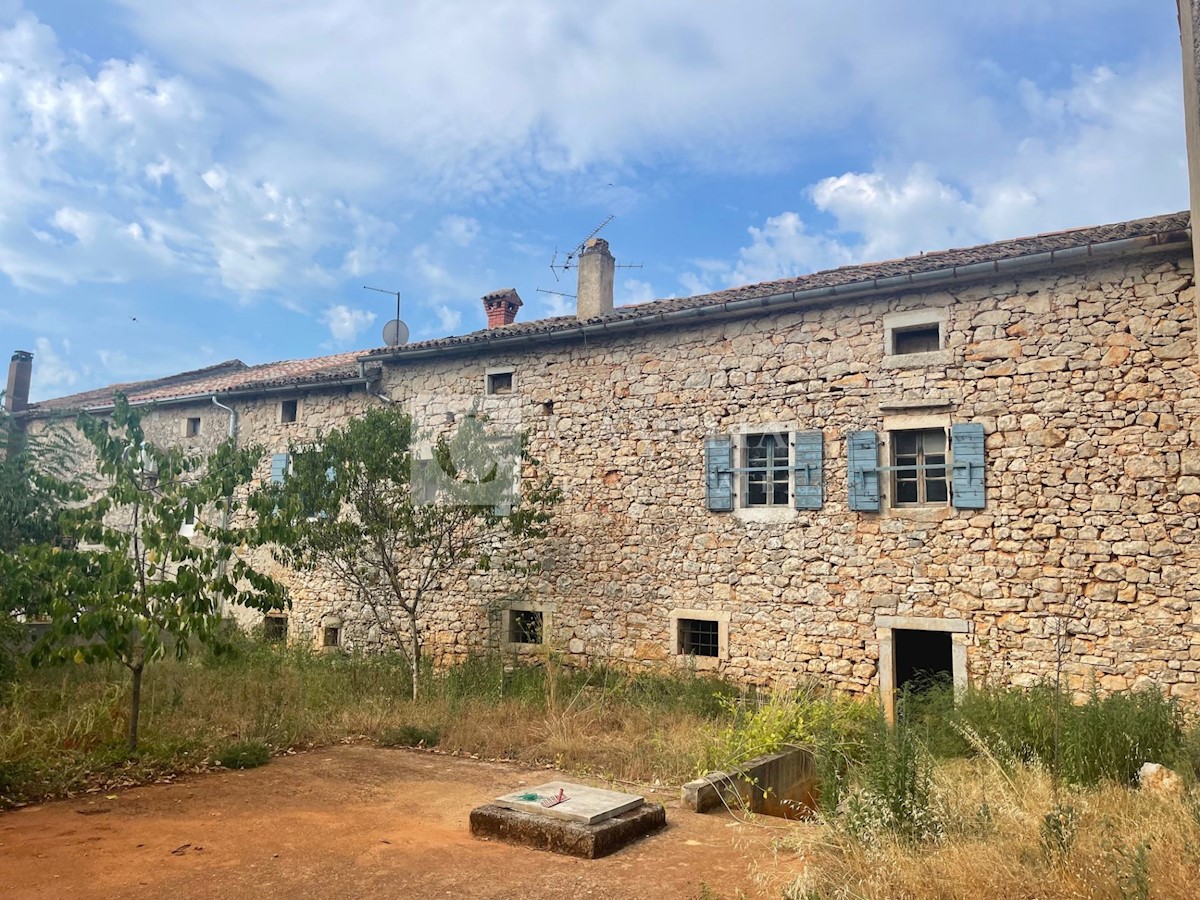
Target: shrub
[(409, 736), (894, 788), (244, 755), (1102, 738)]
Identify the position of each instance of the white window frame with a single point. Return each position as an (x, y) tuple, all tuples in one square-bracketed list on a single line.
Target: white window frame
[(188, 529), (491, 372)]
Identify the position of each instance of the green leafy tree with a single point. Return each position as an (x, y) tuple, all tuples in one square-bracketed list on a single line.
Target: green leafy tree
[(131, 586), (34, 486), (360, 504)]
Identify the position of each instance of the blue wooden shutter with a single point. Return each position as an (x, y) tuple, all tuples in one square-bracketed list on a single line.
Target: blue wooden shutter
[(718, 473), (808, 484), (862, 453), (967, 454), (279, 467)]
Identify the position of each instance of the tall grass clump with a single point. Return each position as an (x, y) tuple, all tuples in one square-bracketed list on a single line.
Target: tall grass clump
[(1102, 738)]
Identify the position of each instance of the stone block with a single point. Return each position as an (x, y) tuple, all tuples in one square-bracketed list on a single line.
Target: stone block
[(539, 832), (586, 805)]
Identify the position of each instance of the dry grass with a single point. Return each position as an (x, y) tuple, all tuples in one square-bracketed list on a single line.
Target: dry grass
[(994, 844), (62, 730)]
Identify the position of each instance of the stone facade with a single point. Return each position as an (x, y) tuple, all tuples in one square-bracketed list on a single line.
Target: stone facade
[(1084, 380)]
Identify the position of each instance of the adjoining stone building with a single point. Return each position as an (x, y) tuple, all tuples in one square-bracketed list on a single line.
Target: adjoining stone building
[(952, 461)]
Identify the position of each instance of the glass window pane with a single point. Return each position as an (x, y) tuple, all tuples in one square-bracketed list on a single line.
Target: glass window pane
[(935, 491)]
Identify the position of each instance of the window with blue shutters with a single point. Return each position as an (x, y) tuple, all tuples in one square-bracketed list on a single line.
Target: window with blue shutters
[(279, 467), (919, 468), (770, 470), (765, 473)]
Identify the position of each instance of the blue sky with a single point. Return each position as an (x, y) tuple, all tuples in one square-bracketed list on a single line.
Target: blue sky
[(182, 184)]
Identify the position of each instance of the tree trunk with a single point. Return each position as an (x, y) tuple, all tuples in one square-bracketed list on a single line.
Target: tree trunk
[(414, 653), (135, 707)]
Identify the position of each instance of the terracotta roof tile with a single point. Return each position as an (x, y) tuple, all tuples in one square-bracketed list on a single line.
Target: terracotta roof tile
[(235, 375), (846, 275), (225, 377)]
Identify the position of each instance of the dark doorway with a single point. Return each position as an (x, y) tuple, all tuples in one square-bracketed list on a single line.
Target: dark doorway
[(923, 659)]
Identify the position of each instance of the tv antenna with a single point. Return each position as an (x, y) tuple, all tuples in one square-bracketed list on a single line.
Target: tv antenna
[(556, 293), (395, 332), (570, 259)]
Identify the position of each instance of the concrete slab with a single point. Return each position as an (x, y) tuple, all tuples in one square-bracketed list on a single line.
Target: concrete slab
[(585, 805), (540, 832)]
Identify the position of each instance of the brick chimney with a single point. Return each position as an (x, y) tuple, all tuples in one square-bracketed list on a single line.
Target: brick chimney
[(20, 371), (596, 269), (501, 307)]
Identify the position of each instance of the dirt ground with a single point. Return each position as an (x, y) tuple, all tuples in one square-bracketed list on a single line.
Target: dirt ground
[(354, 821)]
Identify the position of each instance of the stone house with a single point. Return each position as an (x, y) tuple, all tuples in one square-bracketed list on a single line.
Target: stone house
[(957, 462), (973, 462)]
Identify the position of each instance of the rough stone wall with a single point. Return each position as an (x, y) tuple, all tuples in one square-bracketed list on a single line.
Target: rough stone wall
[(1085, 381)]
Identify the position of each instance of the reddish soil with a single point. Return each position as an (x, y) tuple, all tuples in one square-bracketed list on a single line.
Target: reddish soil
[(351, 821)]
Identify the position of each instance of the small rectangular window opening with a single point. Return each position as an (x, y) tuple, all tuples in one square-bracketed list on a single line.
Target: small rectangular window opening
[(500, 383), (699, 637), (526, 626), (918, 339), (331, 636), (287, 411), (919, 468), (193, 426), (766, 463), (275, 629)]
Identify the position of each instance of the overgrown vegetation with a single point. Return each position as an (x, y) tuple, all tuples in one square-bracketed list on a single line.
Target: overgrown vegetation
[(244, 755), (979, 800), (62, 730), (132, 584), (955, 801)]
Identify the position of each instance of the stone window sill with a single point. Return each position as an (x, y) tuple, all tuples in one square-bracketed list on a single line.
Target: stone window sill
[(918, 360)]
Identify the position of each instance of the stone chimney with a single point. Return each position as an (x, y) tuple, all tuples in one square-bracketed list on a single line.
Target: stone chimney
[(20, 371), (596, 269), (501, 307)]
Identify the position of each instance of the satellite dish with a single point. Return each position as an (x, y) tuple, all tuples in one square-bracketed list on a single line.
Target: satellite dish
[(395, 333)]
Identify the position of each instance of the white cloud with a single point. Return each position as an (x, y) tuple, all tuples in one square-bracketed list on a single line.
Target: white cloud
[(532, 95), (634, 290), (90, 150), (52, 370), (78, 224), (1108, 147), (448, 318), (346, 324), (460, 230)]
